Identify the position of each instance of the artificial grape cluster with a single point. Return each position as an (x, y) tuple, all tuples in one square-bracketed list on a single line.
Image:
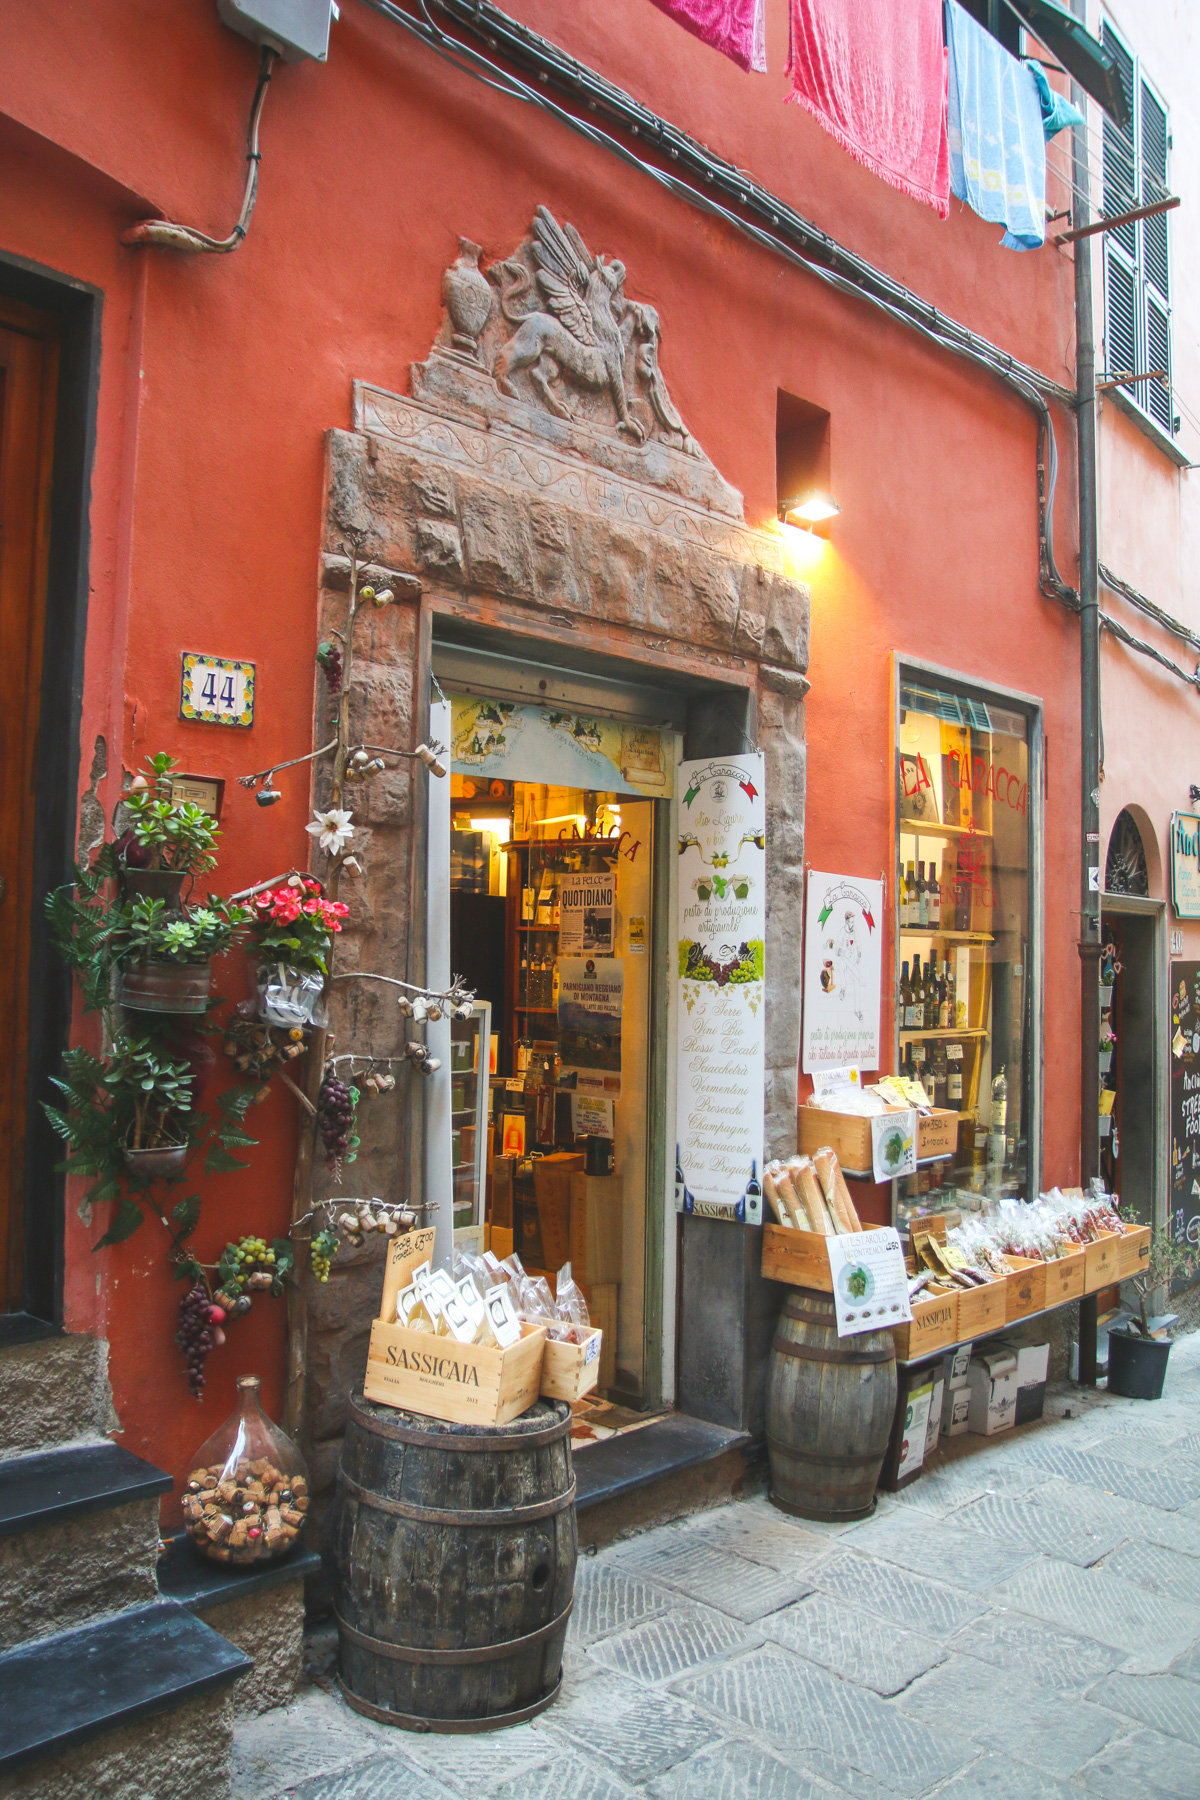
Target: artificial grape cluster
[(321, 1252), (330, 658), (195, 1334), (335, 1118), (250, 1263)]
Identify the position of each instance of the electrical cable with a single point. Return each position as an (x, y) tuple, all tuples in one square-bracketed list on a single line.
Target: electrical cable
[(165, 235), (1107, 623), (1117, 586), (840, 269)]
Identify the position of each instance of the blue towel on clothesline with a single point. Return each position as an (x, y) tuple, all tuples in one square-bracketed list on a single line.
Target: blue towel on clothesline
[(997, 148), (1057, 112)]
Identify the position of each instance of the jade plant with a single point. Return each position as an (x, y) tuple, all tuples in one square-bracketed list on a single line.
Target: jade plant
[(145, 928), (163, 833)]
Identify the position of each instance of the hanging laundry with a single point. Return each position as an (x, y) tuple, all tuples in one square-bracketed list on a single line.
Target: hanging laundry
[(873, 73), (1057, 112), (734, 27), (997, 147)]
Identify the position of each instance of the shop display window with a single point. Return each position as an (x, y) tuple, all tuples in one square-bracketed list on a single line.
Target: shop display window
[(967, 795)]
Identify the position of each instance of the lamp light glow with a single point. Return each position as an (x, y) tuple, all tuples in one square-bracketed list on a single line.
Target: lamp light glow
[(807, 510)]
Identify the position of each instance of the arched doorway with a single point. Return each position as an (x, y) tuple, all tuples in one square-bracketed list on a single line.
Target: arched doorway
[(1125, 869)]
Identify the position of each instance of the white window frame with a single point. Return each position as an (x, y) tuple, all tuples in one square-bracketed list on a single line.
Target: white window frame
[(1146, 291)]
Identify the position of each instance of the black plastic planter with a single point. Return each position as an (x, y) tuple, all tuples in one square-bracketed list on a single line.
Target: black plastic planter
[(1137, 1366)]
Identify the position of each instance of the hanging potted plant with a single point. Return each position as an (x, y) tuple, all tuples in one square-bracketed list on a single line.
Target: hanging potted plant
[(1108, 1038), (1137, 1362), (292, 928), (124, 1115), (166, 958), (165, 843), (1110, 968)]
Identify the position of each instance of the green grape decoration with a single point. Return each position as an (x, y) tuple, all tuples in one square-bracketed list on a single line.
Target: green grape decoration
[(321, 1251)]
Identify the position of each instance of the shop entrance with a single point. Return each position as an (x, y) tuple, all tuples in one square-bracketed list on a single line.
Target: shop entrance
[(1134, 1126), (559, 847)]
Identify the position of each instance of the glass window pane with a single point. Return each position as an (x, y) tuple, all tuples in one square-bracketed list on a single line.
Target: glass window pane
[(963, 923)]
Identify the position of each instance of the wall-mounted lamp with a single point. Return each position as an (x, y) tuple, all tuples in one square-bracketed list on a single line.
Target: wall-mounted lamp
[(808, 510)]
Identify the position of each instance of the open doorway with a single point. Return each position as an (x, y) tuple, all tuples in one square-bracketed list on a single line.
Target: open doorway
[(1134, 1124)]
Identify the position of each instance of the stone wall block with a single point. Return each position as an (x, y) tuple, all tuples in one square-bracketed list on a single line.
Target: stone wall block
[(748, 637), (496, 541), (616, 573), (386, 799), (717, 590), (439, 548), (667, 593), (786, 607), (381, 705)]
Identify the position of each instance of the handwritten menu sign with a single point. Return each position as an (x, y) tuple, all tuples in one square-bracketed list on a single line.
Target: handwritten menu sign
[(720, 931), (1184, 1212)]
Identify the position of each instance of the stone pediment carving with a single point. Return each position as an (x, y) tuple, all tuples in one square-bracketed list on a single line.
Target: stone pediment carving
[(548, 342)]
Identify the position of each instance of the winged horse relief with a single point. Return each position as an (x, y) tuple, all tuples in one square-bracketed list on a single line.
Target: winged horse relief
[(572, 318)]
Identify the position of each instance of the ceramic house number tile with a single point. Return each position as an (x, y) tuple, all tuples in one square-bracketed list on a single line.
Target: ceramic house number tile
[(216, 691)]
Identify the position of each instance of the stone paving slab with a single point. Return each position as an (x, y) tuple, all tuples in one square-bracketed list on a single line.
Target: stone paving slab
[(315, 1735), (1051, 1518), (1150, 1629), (740, 1771), (1108, 1516), (1145, 1766), (1055, 1731), (718, 1577), (474, 1764), (1161, 1570), (942, 1549), (660, 1649), (1163, 1702), (869, 1651), (911, 1600), (607, 1599), (641, 1733), (758, 1531), (378, 1777), (798, 1707), (564, 1775), (1153, 1487), (994, 1777), (1058, 1659)]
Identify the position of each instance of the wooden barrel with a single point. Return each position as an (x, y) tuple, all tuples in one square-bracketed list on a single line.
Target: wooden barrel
[(454, 1566), (830, 1403)]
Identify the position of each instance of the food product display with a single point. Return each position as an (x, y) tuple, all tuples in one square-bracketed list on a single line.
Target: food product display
[(246, 1496), (1054, 1225), (809, 1193), (487, 1301)]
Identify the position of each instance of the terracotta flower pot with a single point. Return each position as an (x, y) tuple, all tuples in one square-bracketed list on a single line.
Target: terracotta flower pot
[(165, 987), (167, 1160), (154, 884)]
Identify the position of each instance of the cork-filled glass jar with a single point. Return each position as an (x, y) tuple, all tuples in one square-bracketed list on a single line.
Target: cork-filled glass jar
[(246, 1496)]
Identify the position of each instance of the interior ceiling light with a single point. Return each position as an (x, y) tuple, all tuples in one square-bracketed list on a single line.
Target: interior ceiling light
[(807, 510)]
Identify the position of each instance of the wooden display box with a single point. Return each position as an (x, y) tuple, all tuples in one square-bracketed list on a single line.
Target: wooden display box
[(1065, 1277), (1133, 1252), (569, 1371), (467, 1384), (799, 1258), (1102, 1260), (596, 1229), (849, 1136), (982, 1310), (552, 1191), (1025, 1288), (934, 1325)]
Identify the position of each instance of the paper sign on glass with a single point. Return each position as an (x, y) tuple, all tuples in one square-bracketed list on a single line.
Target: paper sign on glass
[(842, 972), (870, 1281), (894, 1145)]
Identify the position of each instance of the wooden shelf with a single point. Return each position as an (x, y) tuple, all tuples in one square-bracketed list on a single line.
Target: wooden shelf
[(957, 937), (914, 1037), (917, 828), (537, 928), (537, 1009)]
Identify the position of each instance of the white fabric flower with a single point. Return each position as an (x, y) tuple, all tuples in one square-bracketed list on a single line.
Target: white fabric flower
[(333, 828)]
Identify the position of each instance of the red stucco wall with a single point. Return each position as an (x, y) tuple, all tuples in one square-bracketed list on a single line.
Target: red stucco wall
[(221, 375)]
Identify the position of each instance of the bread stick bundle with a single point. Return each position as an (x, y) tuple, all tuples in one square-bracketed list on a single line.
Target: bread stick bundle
[(804, 1181), (837, 1194), (788, 1192), (770, 1174)]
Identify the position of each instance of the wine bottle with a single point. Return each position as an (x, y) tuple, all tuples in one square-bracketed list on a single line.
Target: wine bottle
[(918, 994), (945, 999), (905, 1000), (935, 898), (524, 982), (753, 1197), (911, 895), (954, 1076), (922, 896)]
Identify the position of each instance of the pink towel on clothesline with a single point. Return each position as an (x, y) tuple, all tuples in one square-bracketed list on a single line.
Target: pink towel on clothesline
[(735, 27), (873, 73)]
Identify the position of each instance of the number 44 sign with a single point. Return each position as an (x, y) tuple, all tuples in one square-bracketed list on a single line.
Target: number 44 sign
[(215, 691)]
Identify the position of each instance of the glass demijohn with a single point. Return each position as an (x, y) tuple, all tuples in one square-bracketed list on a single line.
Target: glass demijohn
[(246, 1496)]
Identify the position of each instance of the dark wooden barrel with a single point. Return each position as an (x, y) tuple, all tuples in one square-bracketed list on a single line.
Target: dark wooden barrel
[(830, 1403), (454, 1550)]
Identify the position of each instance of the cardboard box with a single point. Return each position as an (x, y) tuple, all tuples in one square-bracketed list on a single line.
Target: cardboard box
[(955, 1365), (1033, 1364), (1064, 1278), (597, 1226), (437, 1376), (937, 1135), (603, 1299), (552, 1191), (934, 1429), (956, 1405), (1025, 1289), (992, 1391), (569, 1371), (934, 1325)]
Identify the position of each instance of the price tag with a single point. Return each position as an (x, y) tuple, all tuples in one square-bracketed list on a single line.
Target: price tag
[(216, 691), (827, 1081)]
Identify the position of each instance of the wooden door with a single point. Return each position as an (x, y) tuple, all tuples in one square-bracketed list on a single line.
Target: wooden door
[(28, 379)]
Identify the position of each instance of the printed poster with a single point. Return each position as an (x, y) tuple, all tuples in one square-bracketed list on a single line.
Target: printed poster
[(587, 914), (843, 972), (509, 740), (870, 1281), (591, 993), (591, 1117), (720, 932)]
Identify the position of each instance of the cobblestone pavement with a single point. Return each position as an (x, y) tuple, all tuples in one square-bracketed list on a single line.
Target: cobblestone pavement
[(1022, 1623)]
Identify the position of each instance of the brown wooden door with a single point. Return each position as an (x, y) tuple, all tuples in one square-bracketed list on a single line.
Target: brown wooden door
[(28, 378)]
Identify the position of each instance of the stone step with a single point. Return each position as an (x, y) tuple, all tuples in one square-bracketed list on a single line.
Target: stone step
[(53, 1390), (672, 1466), (60, 1696), (78, 1537)]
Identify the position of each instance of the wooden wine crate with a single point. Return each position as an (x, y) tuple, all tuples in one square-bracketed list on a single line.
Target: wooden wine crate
[(1025, 1288), (569, 1371), (982, 1309), (934, 1325), (799, 1258), (849, 1136), (1133, 1252), (596, 1229), (1102, 1262), (1065, 1277), (468, 1384)]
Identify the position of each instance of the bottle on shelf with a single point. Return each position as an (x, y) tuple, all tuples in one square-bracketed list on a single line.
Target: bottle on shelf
[(940, 1075), (962, 901), (523, 984), (996, 1143), (905, 1000), (918, 994), (954, 1076), (946, 998), (753, 1197), (919, 1062), (922, 896), (527, 906), (935, 898)]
